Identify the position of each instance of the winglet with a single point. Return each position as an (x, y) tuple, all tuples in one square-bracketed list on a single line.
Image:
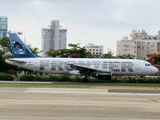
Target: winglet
[(19, 49)]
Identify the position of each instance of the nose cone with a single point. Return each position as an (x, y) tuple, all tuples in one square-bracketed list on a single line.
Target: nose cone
[(154, 70)]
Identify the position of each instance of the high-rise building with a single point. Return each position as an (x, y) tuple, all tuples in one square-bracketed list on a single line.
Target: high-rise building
[(140, 45), (3, 27), (54, 37), (94, 49)]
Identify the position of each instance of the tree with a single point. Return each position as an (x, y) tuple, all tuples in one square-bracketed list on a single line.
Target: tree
[(77, 52), (4, 67), (74, 52), (128, 56), (109, 54), (5, 43), (1, 50), (154, 59), (35, 51), (58, 53)]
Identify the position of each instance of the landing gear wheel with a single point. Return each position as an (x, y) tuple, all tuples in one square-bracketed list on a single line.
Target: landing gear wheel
[(85, 80)]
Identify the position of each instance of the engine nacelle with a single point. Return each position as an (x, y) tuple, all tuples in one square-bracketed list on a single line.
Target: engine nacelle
[(103, 75)]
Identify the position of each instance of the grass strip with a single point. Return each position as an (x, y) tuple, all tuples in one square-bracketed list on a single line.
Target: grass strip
[(81, 86)]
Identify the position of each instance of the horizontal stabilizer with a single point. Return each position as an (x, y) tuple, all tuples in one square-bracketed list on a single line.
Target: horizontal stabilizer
[(16, 61)]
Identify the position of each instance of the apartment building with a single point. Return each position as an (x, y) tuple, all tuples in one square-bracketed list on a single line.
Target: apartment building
[(3, 27), (94, 49), (54, 37), (140, 45)]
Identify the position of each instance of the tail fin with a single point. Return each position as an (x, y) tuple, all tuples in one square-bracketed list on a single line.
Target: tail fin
[(19, 49)]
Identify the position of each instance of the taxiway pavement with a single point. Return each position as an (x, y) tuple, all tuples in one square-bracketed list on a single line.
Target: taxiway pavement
[(76, 104)]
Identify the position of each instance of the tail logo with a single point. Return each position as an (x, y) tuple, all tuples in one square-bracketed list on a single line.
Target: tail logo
[(18, 46)]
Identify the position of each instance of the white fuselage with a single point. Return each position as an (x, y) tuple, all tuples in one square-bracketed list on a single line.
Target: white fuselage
[(130, 67)]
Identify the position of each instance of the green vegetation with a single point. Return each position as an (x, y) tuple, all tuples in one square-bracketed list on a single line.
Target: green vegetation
[(75, 51), (61, 79), (4, 42), (53, 78), (4, 76)]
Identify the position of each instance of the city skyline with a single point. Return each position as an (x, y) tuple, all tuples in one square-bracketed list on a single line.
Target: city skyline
[(101, 22)]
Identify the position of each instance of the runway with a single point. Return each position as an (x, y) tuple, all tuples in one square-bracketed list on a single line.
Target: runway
[(76, 104)]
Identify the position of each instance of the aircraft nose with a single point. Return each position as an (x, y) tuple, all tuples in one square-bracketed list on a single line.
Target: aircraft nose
[(154, 70)]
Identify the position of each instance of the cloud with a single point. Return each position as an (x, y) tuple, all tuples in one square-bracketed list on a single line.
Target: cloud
[(119, 16), (124, 2), (97, 21)]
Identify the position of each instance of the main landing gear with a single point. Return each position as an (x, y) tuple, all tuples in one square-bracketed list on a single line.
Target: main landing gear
[(85, 79)]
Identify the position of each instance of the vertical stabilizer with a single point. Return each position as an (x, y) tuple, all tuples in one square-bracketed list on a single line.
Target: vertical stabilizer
[(19, 49)]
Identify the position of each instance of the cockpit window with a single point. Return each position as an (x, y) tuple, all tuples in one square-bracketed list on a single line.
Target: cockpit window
[(147, 64)]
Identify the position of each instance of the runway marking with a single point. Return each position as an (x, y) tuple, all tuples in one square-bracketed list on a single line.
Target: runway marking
[(79, 91), (77, 103), (67, 90)]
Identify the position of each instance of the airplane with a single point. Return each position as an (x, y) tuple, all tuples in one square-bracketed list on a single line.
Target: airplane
[(100, 68)]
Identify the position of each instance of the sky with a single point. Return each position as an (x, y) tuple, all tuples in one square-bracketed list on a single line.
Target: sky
[(101, 22)]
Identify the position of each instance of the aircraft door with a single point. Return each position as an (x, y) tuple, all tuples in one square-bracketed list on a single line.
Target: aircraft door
[(36, 64), (137, 65)]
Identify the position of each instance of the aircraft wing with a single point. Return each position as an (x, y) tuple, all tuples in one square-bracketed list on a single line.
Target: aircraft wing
[(84, 70)]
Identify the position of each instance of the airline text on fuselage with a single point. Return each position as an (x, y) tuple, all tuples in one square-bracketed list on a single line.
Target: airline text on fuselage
[(104, 65)]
